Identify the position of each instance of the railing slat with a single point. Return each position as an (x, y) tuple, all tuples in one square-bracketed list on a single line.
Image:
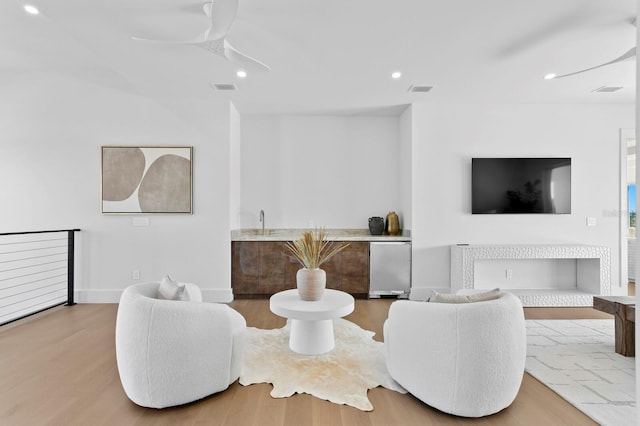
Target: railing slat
[(36, 272)]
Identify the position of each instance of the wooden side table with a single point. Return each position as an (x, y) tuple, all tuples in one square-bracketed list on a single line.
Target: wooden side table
[(623, 309)]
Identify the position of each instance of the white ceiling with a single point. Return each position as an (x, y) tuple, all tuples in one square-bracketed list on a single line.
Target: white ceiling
[(332, 55)]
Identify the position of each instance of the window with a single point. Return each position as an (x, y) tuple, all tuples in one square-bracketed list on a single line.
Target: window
[(631, 186), (631, 197)]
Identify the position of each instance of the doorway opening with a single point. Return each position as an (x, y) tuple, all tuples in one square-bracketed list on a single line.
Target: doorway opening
[(628, 265)]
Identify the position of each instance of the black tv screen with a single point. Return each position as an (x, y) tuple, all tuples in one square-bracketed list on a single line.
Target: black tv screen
[(520, 185)]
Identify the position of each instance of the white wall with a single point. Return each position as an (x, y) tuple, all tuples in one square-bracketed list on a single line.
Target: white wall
[(235, 167), (52, 130), (331, 171), (637, 179), (406, 144), (447, 136), (302, 170)]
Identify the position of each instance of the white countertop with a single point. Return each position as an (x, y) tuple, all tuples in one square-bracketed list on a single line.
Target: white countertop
[(286, 234)]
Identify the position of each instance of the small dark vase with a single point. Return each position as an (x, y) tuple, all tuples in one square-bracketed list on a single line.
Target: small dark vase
[(376, 225)]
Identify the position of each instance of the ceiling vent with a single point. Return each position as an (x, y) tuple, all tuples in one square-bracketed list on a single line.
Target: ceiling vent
[(224, 86), (420, 89), (608, 89)]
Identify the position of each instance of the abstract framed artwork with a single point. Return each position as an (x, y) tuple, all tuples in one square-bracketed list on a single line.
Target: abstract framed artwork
[(146, 179)]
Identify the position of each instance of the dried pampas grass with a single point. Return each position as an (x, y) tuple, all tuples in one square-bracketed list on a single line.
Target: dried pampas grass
[(312, 249)]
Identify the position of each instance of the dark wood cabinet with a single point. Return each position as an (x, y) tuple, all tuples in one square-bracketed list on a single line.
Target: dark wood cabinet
[(349, 270), (260, 269)]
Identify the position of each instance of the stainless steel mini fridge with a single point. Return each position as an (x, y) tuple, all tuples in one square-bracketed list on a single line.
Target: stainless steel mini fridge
[(389, 269)]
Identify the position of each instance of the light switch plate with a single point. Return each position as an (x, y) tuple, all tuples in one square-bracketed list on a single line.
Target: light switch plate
[(591, 221)]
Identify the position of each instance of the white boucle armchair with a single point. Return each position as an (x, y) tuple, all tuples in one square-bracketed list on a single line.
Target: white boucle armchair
[(174, 352), (465, 359)]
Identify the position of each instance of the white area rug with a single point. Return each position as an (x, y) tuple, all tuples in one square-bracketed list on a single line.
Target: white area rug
[(342, 376), (577, 360)]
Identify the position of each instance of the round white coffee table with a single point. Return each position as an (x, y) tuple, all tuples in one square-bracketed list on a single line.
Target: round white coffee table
[(311, 321)]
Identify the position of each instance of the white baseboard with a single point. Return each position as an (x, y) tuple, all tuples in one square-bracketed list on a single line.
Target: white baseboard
[(211, 295), (217, 295), (97, 296)]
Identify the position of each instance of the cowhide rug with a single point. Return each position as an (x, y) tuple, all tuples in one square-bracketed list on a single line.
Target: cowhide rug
[(342, 376)]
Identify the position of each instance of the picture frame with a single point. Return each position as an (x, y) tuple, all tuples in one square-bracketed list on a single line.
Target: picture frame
[(146, 180)]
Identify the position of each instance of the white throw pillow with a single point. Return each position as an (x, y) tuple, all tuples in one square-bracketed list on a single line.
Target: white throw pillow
[(464, 298), (170, 290)]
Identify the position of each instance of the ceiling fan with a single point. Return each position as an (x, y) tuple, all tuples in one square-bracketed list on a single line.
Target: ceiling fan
[(222, 14), (629, 54)]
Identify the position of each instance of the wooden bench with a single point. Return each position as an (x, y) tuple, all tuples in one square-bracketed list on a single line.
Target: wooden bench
[(623, 309)]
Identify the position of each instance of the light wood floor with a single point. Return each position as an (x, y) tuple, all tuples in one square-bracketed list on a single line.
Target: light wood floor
[(59, 368)]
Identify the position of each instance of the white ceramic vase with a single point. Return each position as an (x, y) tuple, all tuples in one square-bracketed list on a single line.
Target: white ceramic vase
[(311, 283)]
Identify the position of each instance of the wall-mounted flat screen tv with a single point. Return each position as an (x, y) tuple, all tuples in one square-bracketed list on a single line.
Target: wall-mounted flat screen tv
[(520, 185)]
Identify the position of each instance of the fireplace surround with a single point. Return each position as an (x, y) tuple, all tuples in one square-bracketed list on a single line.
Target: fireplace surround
[(592, 274)]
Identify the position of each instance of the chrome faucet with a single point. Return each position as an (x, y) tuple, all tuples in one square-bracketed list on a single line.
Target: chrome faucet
[(262, 219)]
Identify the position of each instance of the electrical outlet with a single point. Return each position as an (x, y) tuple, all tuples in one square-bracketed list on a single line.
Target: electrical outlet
[(135, 274), (508, 273), (140, 221)]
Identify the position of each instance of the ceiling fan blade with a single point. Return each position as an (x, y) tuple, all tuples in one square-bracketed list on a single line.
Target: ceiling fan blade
[(246, 62), (627, 55), (199, 39), (222, 14)]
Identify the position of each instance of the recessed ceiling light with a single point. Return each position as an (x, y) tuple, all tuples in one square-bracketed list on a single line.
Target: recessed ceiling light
[(241, 74), (550, 76), (396, 75), (31, 9)]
